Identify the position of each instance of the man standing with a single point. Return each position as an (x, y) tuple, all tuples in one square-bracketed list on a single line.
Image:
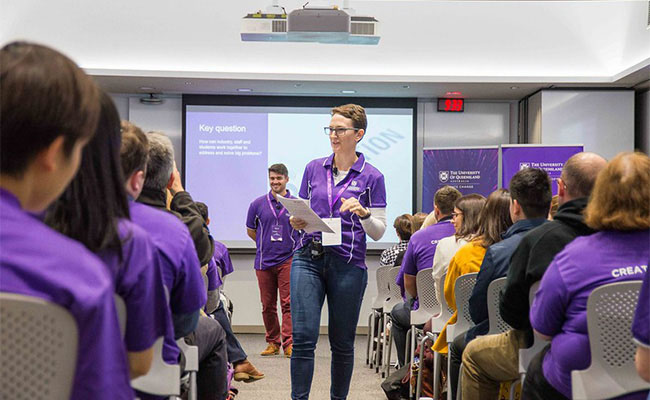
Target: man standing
[(268, 225)]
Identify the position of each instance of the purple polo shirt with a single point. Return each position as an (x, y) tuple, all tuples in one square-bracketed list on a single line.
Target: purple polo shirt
[(560, 306), (641, 323), (37, 261), (222, 258), (214, 281), (422, 247), (364, 182), (138, 280), (265, 214), (179, 265)]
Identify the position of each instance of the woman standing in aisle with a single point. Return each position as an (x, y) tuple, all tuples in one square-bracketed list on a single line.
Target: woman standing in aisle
[(349, 194)]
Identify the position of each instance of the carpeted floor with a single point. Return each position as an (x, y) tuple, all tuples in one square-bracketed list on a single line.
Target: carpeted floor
[(277, 383)]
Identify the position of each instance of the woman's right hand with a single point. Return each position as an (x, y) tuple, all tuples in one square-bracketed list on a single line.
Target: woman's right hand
[(297, 223)]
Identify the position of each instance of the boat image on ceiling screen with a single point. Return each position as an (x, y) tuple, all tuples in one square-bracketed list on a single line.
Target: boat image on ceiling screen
[(329, 25)]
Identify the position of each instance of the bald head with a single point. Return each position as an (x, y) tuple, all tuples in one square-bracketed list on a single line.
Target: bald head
[(579, 174)]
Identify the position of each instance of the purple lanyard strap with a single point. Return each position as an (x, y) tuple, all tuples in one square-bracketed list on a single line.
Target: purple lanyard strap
[(277, 216), (339, 194)]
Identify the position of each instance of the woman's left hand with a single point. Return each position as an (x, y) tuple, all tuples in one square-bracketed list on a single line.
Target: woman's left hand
[(353, 205)]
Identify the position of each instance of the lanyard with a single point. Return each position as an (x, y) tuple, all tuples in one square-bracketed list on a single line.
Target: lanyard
[(340, 193), (277, 216)]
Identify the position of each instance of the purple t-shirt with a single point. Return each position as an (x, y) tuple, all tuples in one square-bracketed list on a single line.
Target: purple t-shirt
[(214, 280), (138, 280), (421, 249), (560, 306), (276, 238), (37, 261), (641, 323), (222, 258), (179, 265), (364, 182)]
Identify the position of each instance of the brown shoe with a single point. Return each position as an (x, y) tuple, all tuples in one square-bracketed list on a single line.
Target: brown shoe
[(288, 351), (271, 350), (246, 372)]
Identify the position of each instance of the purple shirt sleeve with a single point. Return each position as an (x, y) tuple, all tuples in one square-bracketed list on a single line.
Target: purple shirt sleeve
[(304, 186), (142, 289), (213, 277), (408, 264), (378, 193), (251, 218), (641, 323), (548, 311), (188, 294)]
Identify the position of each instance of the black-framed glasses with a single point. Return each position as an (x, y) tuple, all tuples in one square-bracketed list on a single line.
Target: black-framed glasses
[(338, 131)]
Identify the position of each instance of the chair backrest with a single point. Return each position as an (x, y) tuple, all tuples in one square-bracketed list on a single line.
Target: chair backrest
[(399, 258), (162, 379), (497, 324), (610, 311), (463, 291), (395, 293), (527, 354), (439, 321), (39, 342), (120, 306), (427, 298), (382, 287)]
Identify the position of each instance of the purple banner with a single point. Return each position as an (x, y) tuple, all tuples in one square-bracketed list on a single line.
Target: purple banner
[(472, 170), (549, 158), (226, 150)]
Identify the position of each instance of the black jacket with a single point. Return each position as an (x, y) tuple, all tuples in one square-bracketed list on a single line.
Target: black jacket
[(185, 209), (533, 256)]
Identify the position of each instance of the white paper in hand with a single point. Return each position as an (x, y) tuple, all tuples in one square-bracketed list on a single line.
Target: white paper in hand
[(333, 238), (299, 208)]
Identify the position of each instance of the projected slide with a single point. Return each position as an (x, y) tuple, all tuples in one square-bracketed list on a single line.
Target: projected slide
[(229, 148)]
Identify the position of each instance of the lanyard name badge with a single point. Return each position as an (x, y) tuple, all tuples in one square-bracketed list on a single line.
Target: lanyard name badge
[(276, 230), (334, 239)]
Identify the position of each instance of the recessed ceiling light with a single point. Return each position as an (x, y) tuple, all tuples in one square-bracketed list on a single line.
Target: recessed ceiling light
[(147, 88), (514, 87), (188, 83), (406, 87), (244, 90), (348, 91), (453, 94), (298, 85)]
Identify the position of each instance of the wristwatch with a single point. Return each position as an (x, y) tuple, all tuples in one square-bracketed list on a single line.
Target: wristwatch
[(367, 215)]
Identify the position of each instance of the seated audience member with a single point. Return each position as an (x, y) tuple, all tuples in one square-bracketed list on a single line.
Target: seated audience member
[(419, 255), (429, 219), (403, 226), (641, 330), (619, 208), (494, 220), (465, 220), (94, 210), (182, 205), (212, 272), (221, 255), (49, 110), (527, 266), (178, 261)]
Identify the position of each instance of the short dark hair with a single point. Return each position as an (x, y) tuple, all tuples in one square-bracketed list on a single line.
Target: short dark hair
[(134, 152), (404, 226), (279, 169), (44, 95), (445, 198), (90, 208), (531, 187), (354, 112), (203, 209)]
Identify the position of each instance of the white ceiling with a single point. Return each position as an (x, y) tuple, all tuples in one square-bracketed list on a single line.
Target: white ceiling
[(431, 46)]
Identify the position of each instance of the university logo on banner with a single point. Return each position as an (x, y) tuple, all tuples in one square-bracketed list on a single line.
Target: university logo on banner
[(524, 165), (443, 176)]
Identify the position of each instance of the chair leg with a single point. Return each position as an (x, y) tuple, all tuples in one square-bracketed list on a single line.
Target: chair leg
[(448, 380), (418, 385), (460, 377), (370, 317), (389, 343), (413, 336), (513, 388), (380, 339), (437, 360), (193, 388)]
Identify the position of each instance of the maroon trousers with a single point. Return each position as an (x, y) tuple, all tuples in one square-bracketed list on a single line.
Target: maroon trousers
[(270, 282)]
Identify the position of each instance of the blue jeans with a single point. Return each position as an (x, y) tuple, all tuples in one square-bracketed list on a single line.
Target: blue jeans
[(344, 284)]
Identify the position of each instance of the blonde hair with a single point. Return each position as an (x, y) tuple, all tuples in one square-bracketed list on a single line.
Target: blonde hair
[(621, 196)]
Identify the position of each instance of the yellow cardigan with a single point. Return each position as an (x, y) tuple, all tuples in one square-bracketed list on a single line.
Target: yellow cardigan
[(467, 259)]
